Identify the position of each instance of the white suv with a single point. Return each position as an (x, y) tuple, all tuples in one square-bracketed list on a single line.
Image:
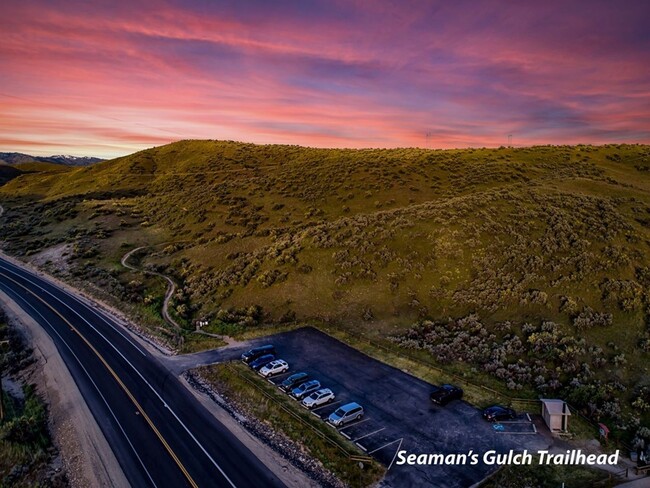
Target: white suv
[(320, 397), (274, 367)]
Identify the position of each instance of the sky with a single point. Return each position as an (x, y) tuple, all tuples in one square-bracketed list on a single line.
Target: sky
[(107, 78)]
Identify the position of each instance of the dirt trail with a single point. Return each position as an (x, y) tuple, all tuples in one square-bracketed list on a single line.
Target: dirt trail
[(171, 288)]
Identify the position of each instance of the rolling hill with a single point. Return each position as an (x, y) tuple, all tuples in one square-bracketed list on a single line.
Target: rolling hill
[(531, 265)]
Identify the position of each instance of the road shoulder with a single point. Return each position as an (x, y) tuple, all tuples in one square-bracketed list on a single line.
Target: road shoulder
[(87, 456)]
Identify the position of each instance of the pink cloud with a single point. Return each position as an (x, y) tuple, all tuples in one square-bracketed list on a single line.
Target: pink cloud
[(345, 75)]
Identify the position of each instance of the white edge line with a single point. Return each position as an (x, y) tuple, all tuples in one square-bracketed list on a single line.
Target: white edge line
[(96, 388), (77, 299), (196, 441)]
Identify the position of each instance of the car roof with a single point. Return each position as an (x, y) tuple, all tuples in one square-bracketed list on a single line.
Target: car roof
[(349, 406), (324, 390)]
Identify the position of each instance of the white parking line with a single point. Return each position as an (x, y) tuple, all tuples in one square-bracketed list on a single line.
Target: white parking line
[(352, 425), (528, 416), (327, 405), (361, 447), (516, 433), (385, 445), (395, 455), (345, 435), (368, 435)]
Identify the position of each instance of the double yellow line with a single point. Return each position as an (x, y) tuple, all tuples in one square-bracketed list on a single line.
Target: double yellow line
[(117, 378)]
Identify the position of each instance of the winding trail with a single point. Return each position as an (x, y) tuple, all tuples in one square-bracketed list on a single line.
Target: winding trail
[(171, 288)]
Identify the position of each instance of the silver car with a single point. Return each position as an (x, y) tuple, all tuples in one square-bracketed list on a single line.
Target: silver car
[(319, 397), (345, 414), (305, 389)]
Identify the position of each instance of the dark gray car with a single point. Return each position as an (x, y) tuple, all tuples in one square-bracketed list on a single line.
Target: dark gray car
[(305, 389)]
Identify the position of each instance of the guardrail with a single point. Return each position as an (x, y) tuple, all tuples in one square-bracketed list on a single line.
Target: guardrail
[(351, 456)]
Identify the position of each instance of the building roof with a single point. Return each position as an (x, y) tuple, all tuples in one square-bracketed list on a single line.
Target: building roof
[(556, 407)]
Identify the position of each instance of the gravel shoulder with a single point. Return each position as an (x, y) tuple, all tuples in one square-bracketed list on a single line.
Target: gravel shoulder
[(88, 459)]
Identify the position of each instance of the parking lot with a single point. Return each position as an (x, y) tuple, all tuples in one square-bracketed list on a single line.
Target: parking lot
[(398, 412)]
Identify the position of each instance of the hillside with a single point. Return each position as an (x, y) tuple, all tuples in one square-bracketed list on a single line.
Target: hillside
[(538, 252)]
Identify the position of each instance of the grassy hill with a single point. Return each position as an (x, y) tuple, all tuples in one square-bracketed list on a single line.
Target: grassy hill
[(428, 247)]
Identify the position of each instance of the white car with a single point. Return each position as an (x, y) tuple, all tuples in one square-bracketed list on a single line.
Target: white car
[(319, 397), (274, 367)]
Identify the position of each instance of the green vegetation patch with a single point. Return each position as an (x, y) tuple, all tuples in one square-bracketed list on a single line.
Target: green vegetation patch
[(25, 445)]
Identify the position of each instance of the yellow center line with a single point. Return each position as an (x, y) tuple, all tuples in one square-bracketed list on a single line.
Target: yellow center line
[(117, 378)]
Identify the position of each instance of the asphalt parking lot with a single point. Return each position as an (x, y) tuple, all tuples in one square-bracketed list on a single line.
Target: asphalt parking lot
[(398, 412)]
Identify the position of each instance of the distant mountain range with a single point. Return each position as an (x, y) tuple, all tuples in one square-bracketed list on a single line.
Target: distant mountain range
[(18, 158)]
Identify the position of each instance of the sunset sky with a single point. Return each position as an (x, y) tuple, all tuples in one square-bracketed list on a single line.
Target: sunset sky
[(112, 77)]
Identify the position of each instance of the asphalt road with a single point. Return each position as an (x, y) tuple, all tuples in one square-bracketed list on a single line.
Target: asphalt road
[(160, 434)]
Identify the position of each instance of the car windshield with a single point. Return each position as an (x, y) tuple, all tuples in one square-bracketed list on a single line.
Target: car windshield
[(340, 412)]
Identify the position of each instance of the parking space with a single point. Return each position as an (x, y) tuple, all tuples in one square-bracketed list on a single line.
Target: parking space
[(398, 413), (522, 425)]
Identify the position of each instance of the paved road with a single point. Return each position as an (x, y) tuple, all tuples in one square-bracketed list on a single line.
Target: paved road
[(161, 435)]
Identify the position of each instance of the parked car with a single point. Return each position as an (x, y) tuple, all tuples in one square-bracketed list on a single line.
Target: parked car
[(319, 397), (346, 414), (305, 389), (262, 361), (250, 356), (294, 381), (274, 367), (444, 394), (497, 413)]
